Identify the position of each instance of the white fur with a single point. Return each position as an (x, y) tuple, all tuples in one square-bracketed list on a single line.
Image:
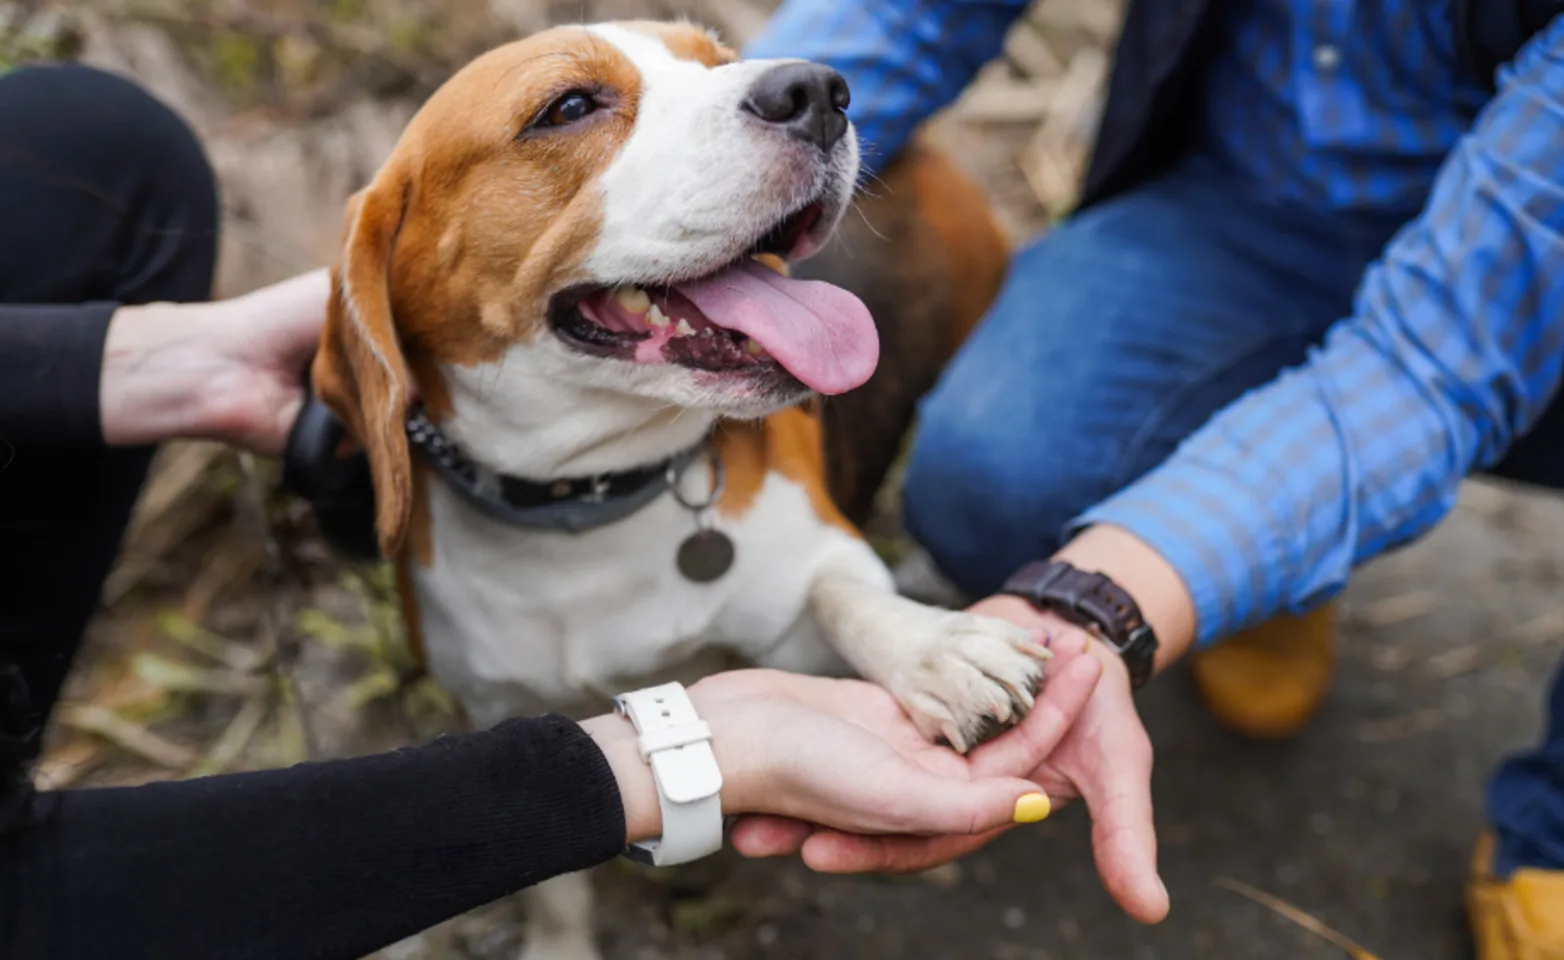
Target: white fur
[(531, 620), (687, 183), (519, 621)]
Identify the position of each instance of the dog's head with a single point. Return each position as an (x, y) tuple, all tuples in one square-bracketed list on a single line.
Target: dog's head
[(575, 226)]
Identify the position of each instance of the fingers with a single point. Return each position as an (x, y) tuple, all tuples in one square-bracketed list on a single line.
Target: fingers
[(1124, 841), (921, 803), (1022, 749), (828, 851), (768, 836)]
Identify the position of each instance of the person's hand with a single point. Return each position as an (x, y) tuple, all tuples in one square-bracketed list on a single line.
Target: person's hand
[(812, 752), (1105, 757), (233, 370)]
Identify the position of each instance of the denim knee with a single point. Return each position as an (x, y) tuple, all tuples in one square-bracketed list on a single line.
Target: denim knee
[(977, 503)]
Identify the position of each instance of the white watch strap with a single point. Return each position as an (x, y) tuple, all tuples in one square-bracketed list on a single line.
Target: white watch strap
[(676, 742)]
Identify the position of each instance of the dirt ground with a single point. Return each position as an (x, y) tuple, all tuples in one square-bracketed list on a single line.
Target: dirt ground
[(230, 639)]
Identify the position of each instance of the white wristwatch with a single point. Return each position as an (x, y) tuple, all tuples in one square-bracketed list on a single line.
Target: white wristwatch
[(675, 741)]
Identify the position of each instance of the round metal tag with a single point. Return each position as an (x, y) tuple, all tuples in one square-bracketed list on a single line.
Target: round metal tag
[(705, 556)]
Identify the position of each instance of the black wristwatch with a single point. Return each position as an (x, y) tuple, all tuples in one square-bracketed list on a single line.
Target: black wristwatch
[(1092, 601)]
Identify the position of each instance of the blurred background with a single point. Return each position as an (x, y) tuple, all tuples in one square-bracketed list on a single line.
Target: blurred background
[(231, 639)]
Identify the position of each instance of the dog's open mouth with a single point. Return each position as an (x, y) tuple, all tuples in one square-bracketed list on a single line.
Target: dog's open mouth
[(747, 318)]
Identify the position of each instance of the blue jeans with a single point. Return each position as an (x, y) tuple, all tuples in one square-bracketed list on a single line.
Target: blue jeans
[(1116, 336)]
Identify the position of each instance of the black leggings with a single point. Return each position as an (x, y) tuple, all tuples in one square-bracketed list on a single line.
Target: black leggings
[(106, 198)]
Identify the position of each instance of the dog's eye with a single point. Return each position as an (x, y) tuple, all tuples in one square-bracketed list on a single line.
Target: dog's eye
[(567, 109)]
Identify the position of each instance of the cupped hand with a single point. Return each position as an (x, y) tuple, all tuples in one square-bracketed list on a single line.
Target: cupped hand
[(842, 754), (912, 771), (232, 370), (1104, 757)]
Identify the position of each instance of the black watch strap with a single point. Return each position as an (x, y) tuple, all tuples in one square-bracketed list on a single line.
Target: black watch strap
[(1093, 601)]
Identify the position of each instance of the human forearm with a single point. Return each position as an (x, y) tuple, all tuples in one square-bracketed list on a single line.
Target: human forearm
[(1452, 350), (161, 378), (325, 861)]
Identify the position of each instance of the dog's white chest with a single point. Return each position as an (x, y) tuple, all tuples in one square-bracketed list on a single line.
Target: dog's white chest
[(525, 620)]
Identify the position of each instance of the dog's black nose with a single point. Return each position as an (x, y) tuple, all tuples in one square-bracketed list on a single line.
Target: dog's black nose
[(805, 99)]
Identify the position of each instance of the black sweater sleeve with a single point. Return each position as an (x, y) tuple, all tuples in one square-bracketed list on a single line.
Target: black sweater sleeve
[(324, 861), (51, 361)]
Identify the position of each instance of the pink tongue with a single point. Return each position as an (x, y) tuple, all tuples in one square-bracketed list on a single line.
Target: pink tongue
[(822, 334)]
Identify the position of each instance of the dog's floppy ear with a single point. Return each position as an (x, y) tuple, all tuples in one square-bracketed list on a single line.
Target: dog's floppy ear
[(359, 371)]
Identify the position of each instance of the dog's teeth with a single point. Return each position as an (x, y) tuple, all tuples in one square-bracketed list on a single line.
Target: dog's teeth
[(706, 332), (771, 261), (753, 347), (684, 329), (656, 317), (633, 299)]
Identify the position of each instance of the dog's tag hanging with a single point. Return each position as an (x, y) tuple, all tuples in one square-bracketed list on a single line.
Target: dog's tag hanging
[(706, 554)]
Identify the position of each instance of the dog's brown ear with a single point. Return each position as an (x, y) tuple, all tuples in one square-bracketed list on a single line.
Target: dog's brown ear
[(359, 371)]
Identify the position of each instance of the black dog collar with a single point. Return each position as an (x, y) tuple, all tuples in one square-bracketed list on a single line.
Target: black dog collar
[(573, 505), (341, 493)]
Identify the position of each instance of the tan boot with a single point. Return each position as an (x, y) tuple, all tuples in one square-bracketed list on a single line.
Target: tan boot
[(1268, 682), (1521, 918)]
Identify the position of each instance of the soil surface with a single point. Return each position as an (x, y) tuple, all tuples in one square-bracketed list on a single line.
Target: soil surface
[(230, 640)]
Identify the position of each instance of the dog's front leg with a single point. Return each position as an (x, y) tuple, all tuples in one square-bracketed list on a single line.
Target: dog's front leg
[(958, 676)]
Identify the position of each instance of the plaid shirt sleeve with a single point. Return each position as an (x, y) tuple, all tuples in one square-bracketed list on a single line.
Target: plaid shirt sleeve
[(1452, 350), (903, 59)]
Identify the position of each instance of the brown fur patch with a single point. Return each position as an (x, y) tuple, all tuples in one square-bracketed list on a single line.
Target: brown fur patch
[(686, 41), (420, 550), (411, 621), (452, 252), (501, 221), (789, 443)]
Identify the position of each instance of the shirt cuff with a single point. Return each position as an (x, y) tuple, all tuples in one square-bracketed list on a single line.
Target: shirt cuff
[(51, 362), (1215, 530)]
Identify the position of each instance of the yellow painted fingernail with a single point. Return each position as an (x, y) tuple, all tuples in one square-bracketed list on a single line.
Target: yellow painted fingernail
[(1032, 807)]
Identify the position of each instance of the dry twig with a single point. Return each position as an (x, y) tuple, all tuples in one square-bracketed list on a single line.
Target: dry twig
[(1312, 924), (133, 737)]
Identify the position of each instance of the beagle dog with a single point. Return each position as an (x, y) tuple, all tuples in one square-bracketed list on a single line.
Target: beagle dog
[(575, 270)]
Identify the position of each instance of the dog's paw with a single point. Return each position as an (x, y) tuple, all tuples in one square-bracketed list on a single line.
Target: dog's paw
[(967, 676)]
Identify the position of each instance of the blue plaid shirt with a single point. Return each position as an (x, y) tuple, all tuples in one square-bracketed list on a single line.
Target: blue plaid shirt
[(1454, 344)]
